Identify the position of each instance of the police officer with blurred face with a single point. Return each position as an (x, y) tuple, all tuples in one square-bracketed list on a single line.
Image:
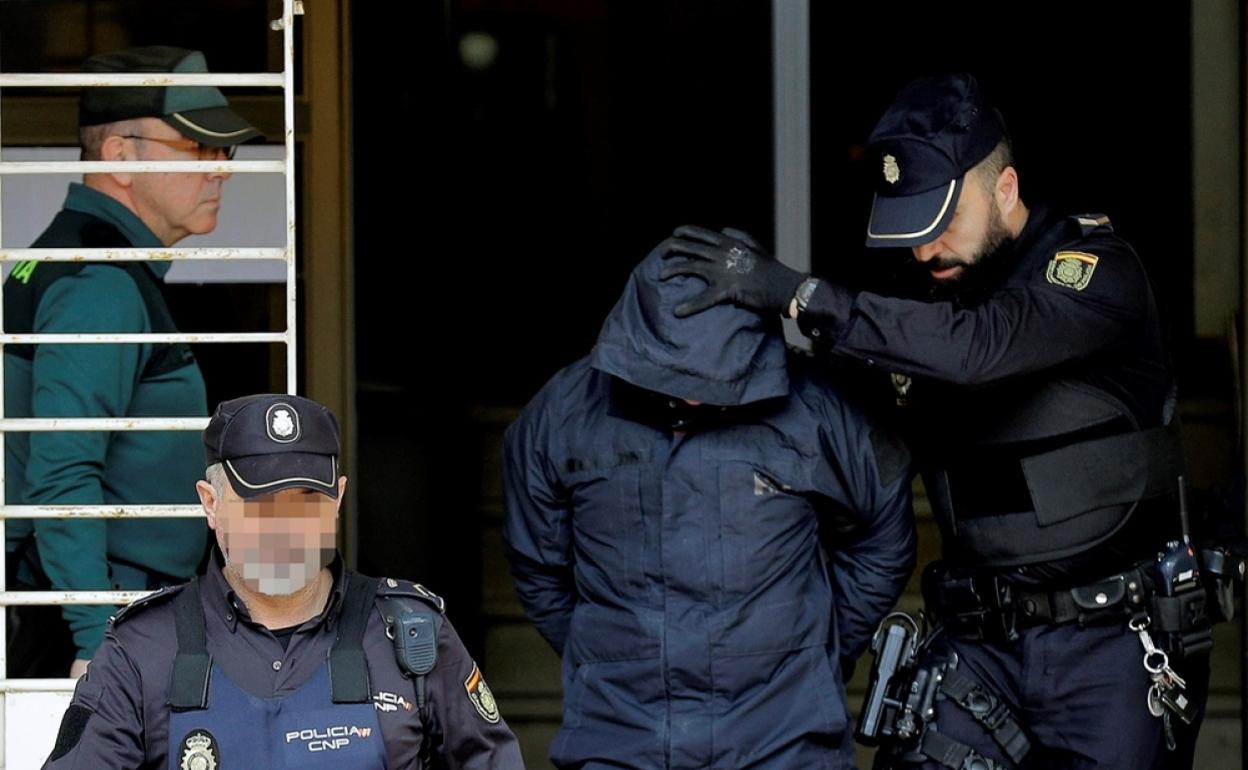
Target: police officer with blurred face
[(1024, 354), (280, 656)]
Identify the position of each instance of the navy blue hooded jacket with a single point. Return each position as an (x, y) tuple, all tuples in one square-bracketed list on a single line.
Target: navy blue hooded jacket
[(672, 553)]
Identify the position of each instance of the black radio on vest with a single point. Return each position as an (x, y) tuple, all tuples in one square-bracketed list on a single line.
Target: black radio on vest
[(1180, 596)]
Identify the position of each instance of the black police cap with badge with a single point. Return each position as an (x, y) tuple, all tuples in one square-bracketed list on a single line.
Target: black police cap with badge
[(274, 441), (936, 130), (271, 442)]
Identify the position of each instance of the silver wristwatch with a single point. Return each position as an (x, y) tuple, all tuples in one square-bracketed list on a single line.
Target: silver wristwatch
[(804, 291)]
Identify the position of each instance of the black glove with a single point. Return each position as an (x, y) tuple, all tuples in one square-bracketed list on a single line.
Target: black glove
[(735, 267)]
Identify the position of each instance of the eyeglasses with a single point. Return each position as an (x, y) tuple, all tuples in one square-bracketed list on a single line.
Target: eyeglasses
[(190, 146)]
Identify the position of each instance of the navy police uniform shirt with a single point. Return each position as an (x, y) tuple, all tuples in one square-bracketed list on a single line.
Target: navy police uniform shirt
[(1075, 293), (119, 717), (1069, 300)]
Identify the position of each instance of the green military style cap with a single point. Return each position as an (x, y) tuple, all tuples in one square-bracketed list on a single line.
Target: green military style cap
[(200, 113)]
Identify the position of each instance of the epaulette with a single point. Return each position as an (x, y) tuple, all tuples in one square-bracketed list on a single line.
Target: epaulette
[(159, 596), (389, 587), (1086, 224), (413, 631)]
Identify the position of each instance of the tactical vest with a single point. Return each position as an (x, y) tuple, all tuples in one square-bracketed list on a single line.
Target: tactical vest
[(26, 286), (328, 722), (1047, 472)]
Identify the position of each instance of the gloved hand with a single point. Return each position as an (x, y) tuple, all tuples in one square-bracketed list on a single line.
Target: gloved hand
[(735, 267)]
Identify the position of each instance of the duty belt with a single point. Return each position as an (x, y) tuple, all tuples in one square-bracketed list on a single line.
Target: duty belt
[(990, 608)]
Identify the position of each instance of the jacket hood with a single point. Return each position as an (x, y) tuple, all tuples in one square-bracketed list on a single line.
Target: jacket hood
[(724, 356)]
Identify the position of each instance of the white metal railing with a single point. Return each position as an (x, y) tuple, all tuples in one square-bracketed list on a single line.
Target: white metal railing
[(283, 80), (136, 255), (10, 168), (69, 597), (32, 685), (100, 511), (154, 338), (41, 79), (28, 424)]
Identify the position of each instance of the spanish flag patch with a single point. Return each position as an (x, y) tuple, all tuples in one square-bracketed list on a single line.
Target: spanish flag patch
[(480, 695), (1072, 269)]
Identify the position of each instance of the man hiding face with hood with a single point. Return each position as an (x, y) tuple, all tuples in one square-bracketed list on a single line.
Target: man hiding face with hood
[(667, 497)]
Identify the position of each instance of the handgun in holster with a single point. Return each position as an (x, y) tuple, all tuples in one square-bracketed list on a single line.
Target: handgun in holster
[(1223, 567), (900, 696)]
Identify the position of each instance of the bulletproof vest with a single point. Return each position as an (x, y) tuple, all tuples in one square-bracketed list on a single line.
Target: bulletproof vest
[(330, 721), (1046, 471), (26, 285)]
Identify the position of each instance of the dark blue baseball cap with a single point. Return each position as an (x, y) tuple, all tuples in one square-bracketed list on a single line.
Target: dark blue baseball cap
[(936, 130), (273, 441)]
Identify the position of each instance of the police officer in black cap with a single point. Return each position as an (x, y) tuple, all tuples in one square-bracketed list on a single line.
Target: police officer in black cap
[(1029, 367), (279, 656)]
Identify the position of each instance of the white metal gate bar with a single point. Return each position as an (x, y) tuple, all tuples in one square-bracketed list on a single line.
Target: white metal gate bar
[(138, 255), (15, 598), (70, 79), (100, 511), (11, 167), (112, 424), (289, 9), (154, 338), (30, 685), (284, 80)]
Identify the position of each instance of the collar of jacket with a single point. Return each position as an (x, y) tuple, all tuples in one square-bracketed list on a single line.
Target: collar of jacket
[(221, 600)]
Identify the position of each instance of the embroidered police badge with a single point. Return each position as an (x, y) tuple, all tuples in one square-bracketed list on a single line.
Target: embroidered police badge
[(480, 695), (1072, 269), (199, 751), (892, 172), (282, 423)]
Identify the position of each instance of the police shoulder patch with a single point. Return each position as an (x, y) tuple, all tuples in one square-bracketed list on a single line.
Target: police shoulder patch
[(159, 596), (481, 696), (392, 587), (1072, 269)]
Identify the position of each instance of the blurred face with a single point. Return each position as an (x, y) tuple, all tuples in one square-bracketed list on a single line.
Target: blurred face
[(175, 205), (274, 544), (975, 234)]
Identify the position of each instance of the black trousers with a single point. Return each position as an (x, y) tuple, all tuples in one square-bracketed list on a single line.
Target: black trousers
[(1080, 693)]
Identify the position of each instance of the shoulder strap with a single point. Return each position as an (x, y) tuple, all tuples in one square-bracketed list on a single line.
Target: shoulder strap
[(348, 669), (192, 665)]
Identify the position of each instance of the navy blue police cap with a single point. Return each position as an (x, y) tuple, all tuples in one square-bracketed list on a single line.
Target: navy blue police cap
[(936, 130), (274, 441)]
